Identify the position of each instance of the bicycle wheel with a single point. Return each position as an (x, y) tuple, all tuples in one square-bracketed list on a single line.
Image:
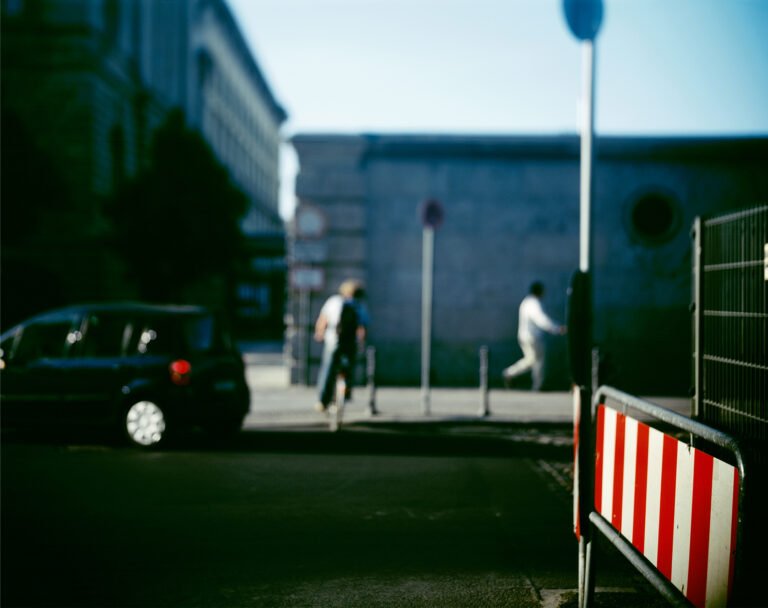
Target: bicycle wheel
[(337, 408), (341, 397)]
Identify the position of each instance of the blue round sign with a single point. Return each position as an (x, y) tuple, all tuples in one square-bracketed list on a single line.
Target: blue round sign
[(584, 17)]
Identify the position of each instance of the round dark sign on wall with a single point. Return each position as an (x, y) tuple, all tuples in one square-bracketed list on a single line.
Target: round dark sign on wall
[(432, 213)]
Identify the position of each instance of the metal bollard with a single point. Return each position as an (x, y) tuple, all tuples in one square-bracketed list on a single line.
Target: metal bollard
[(485, 408), (370, 372)]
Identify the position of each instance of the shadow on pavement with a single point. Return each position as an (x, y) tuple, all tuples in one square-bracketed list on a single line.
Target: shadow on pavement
[(471, 438), (508, 440)]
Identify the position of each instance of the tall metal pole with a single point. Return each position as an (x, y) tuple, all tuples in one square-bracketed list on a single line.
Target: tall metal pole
[(587, 153), (428, 248), (584, 18), (586, 570), (698, 316)]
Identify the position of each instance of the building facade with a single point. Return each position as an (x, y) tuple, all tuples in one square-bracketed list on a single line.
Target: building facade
[(235, 110), (88, 81), (73, 80), (511, 217)]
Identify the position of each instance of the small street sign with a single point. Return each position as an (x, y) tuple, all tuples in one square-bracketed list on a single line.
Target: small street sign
[(432, 214), (310, 252), (584, 17), (307, 278), (310, 222)]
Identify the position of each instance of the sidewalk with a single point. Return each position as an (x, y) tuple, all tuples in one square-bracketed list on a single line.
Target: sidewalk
[(276, 402), (275, 406)]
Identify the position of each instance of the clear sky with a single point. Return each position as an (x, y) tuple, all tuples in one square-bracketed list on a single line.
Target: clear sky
[(510, 66)]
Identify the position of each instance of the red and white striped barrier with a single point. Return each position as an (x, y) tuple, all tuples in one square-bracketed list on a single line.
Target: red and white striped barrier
[(675, 504)]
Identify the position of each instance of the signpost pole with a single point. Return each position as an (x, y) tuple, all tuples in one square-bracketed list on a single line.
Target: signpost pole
[(308, 254), (587, 153), (304, 337), (428, 248), (586, 570), (431, 218), (584, 18)]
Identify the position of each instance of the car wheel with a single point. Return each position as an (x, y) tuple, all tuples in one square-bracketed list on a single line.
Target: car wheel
[(145, 423)]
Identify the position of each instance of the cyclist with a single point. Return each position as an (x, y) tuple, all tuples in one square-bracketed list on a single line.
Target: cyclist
[(340, 326)]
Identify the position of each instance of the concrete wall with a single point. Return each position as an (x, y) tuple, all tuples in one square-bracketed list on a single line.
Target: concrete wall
[(511, 217), (501, 232)]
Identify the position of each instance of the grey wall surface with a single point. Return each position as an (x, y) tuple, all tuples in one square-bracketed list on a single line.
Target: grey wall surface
[(511, 217)]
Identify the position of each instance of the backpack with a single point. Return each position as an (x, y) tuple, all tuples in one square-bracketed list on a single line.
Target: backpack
[(347, 327)]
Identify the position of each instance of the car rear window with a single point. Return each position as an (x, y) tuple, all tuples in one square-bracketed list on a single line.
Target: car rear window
[(105, 336), (45, 340), (174, 334)]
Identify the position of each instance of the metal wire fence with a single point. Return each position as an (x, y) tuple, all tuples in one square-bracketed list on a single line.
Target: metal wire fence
[(731, 325)]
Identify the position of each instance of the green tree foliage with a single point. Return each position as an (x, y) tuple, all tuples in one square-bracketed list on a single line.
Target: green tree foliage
[(177, 224), (32, 191), (30, 187)]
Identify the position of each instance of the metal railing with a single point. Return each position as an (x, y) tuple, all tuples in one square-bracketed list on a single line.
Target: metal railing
[(730, 325)]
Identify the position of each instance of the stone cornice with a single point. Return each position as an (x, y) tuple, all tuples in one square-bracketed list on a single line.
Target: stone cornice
[(555, 147)]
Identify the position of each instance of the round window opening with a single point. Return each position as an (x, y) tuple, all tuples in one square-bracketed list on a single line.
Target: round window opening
[(654, 218)]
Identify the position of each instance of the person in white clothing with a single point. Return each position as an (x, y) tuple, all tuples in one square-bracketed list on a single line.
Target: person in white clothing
[(341, 326), (533, 323)]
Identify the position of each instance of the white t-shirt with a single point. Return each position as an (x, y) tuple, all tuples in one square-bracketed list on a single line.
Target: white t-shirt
[(533, 319), (332, 312)]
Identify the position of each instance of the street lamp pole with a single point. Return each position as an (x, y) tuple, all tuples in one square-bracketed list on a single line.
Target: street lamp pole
[(587, 153), (584, 18), (585, 480)]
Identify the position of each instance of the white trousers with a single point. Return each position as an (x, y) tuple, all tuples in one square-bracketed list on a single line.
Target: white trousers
[(532, 360)]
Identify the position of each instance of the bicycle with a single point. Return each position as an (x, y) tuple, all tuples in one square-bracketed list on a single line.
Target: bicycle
[(336, 407)]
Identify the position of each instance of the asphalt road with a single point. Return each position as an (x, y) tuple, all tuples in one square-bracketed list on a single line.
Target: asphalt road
[(292, 519)]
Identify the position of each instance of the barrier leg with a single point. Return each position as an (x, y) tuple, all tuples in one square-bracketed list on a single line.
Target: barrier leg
[(582, 571), (585, 492), (586, 573)]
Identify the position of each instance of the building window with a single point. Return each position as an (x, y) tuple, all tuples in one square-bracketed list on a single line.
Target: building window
[(204, 67), (653, 217), (254, 300)]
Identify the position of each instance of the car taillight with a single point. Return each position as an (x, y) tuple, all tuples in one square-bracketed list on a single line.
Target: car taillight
[(181, 371)]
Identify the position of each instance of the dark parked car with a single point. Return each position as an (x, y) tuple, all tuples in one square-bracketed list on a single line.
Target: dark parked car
[(143, 370)]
